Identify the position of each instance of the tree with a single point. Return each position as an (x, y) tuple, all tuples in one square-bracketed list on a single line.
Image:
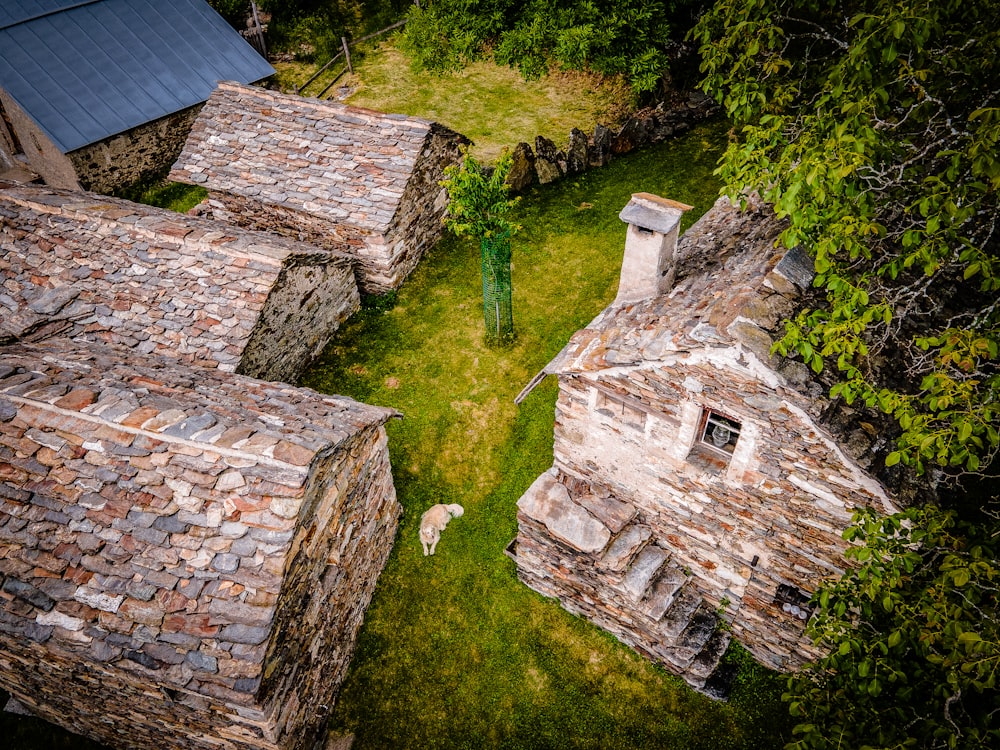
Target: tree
[(915, 638), (614, 37), (873, 127), (479, 206)]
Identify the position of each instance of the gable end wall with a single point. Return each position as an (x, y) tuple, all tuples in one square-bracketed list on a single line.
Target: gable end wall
[(781, 497)]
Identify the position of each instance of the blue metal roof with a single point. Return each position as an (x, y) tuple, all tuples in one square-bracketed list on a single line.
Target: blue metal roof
[(84, 70)]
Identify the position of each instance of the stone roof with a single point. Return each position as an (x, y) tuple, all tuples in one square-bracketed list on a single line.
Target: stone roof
[(92, 267), (733, 286), (342, 163), (178, 489)]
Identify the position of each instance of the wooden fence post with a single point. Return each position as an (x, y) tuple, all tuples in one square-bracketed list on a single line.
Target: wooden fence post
[(347, 54)]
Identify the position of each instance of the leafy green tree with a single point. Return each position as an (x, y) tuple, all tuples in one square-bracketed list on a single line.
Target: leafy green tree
[(873, 126), (915, 636), (479, 206), (614, 37)]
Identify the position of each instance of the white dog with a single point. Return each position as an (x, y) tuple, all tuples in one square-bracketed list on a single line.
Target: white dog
[(433, 521)]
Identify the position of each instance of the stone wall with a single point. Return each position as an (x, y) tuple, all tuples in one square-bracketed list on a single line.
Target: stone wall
[(548, 162), (100, 269), (599, 556), (42, 155), (419, 220), (338, 553), (125, 159), (770, 516), (184, 553)]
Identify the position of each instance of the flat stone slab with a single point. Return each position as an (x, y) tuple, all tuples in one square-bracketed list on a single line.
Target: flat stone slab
[(548, 502), (624, 548), (678, 616), (642, 571), (611, 512), (662, 593)]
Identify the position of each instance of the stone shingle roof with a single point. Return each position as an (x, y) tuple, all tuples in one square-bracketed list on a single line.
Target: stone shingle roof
[(345, 164), (180, 488), (734, 285), (98, 268)]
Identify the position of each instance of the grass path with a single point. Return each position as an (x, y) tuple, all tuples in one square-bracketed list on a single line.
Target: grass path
[(455, 651)]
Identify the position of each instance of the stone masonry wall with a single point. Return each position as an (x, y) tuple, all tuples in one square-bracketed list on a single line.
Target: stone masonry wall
[(337, 555), (419, 221), (784, 497), (161, 528), (125, 159), (101, 269), (43, 156)]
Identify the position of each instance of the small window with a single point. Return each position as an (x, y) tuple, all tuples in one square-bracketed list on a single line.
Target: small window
[(794, 601), (719, 432)]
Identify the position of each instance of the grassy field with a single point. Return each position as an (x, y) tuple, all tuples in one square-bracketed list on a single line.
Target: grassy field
[(490, 104), (455, 652)]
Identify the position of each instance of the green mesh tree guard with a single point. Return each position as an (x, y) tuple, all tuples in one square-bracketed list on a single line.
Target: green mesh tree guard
[(497, 309)]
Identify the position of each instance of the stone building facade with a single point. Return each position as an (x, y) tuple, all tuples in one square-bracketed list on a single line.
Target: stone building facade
[(101, 95), (695, 492), (339, 177), (125, 159), (186, 552), (94, 268)]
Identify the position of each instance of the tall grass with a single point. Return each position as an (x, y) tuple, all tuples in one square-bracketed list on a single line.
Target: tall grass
[(455, 651)]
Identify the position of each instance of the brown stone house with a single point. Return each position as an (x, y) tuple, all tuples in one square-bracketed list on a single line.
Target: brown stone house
[(100, 94), (94, 268), (186, 552), (339, 177), (695, 492)]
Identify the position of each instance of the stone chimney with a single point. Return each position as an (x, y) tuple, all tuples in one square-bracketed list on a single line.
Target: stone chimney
[(648, 265)]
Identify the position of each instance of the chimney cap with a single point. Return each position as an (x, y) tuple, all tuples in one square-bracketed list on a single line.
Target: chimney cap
[(653, 212)]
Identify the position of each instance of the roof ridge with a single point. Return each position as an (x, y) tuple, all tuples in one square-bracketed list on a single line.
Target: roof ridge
[(51, 12), (320, 104)]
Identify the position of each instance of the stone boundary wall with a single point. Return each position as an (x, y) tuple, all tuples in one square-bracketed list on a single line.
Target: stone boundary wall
[(102, 269), (162, 532), (123, 160), (547, 162)]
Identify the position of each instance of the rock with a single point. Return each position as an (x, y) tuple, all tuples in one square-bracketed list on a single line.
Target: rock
[(577, 155), (548, 501), (635, 132), (550, 162), (600, 150), (522, 173)]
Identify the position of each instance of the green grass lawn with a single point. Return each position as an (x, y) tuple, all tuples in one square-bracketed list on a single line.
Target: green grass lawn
[(455, 651), (491, 104)]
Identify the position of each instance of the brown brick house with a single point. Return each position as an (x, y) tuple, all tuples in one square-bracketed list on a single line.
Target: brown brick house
[(694, 482), (339, 177)]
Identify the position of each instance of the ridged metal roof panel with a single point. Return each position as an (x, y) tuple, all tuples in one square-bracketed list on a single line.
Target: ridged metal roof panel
[(88, 70)]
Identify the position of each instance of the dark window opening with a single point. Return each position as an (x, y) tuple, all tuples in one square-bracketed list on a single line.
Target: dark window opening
[(718, 432), (794, 601)]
